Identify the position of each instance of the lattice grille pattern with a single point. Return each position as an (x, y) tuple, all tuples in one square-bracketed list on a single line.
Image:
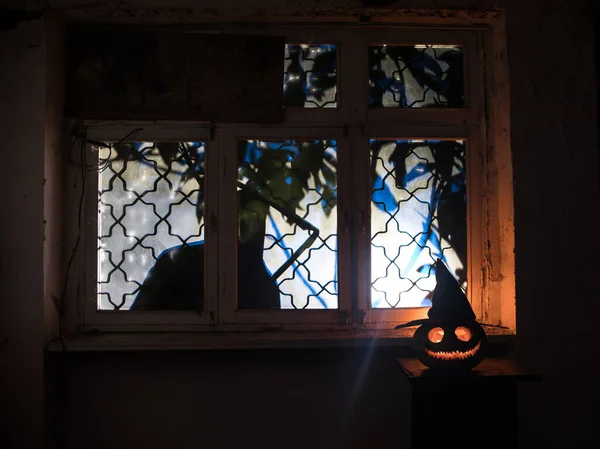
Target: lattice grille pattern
[(418, 213), (310, 76), (150, 203), (417, 76), (287, 249)]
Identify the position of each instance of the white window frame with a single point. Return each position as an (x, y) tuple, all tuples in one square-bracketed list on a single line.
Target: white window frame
[(483, 123), (143, 320)]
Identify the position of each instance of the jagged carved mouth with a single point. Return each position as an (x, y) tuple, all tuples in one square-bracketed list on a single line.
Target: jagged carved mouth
[(453, 355)]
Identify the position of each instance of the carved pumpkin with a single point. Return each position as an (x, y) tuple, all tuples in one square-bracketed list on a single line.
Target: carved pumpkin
[(450, 344), (450, 338)]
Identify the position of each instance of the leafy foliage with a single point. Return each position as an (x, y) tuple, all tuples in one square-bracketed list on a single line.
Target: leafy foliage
[(435, 70), (282, 170), (310, 74), (186, 159), (448, 203)]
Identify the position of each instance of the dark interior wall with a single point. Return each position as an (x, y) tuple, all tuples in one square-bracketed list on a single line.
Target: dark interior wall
[(555, 151), (22, 100), (351, 399), (293, 399)]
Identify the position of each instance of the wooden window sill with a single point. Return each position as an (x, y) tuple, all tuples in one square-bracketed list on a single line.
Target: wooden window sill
[(218, 340)]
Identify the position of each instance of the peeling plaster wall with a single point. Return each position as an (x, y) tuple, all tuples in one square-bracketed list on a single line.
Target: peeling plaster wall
[(30, 249), (286, 399)]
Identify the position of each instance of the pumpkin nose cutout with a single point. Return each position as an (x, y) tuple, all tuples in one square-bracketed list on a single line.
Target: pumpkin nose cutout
[(462, 333), (436, 335)]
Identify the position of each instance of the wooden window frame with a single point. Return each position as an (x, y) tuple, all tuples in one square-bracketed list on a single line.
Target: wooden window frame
[(483, 123)]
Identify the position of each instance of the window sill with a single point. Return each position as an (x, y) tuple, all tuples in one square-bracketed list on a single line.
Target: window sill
[(166, 341)]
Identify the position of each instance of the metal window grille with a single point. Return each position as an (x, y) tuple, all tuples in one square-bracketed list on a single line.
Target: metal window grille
[(150, 201), (417, 76), (310, 78), (287, 224), (418, 213)]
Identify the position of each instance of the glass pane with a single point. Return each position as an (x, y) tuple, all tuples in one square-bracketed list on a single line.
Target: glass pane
[(310, 76), (151, 226), (287, 229), (418, 76), (418, 213)]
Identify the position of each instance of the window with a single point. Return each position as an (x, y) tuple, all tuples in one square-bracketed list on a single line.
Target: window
[(331, 219), (150, 201), (418, 213)]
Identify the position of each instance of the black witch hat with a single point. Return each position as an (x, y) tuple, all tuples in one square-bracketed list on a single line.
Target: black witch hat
[(448, 302)]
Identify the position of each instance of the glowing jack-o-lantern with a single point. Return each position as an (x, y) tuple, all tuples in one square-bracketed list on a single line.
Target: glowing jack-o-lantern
[(450, 338), (450, 345)]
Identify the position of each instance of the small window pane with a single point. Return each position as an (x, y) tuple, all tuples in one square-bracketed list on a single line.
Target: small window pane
[(151, 226), (418, 213), (419, 76), (310, 76), (287, 225)]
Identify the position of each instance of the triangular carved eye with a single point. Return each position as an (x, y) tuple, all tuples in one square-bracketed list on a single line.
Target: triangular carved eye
[(463, 333), (436, 335)]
